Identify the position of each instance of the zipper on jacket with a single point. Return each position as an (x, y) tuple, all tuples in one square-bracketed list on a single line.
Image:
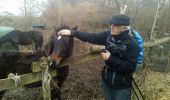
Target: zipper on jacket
[(113, 77)]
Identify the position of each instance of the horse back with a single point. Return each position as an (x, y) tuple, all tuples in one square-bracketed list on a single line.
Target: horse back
[(29, 36)]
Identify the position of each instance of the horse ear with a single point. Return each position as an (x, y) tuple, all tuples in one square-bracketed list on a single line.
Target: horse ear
[(55, 28), (75, 27)]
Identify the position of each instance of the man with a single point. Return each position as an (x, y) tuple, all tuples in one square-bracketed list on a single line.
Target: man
[(120, 56)]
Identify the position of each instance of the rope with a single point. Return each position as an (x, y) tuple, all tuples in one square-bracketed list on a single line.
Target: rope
[(16, 79), (55, 86), (46, 78)]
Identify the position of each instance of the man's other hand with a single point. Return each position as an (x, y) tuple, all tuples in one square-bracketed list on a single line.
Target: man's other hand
[(106, 55)]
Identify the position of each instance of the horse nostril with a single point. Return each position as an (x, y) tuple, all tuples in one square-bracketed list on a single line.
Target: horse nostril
[(52, 64)]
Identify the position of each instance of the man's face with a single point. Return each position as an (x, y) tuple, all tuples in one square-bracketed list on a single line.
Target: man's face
[(117, 29)]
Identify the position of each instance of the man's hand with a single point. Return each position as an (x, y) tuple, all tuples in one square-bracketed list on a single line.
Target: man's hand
[(64, 32), (106, 55)]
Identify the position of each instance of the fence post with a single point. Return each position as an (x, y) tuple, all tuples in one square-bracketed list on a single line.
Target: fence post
[(46, 79)]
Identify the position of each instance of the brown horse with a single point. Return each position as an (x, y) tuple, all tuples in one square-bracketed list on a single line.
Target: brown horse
[(57, 49), (17, 37)]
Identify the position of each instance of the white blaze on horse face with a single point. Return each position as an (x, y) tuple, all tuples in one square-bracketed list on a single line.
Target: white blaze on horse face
[(59, 37)]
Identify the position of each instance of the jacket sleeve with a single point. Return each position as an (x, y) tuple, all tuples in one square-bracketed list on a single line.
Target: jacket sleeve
[(128, 65), (94, 38)]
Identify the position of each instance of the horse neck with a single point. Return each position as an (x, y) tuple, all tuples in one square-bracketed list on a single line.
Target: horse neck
[(71, 45), (7, 37)]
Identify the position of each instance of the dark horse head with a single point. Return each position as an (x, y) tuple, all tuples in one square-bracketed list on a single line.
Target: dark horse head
[(59, 47)]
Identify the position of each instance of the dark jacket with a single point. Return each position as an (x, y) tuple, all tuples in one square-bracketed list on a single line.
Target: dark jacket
[(121, 64)]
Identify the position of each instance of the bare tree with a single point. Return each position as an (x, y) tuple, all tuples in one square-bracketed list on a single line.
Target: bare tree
[(52, 12), (157, 17), (30, 9)]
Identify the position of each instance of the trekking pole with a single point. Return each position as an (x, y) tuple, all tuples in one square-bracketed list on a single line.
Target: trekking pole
[(138, 88), (134, 88), (134, 91)]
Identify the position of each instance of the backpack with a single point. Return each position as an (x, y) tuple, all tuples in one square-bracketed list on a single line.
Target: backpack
[(140, 45)]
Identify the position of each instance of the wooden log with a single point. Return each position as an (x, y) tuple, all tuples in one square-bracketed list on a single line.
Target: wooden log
[(28, 78), (95, 49), (157, 42)]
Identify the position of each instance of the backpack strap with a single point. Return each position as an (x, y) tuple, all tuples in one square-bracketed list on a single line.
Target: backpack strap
[(131, 33)]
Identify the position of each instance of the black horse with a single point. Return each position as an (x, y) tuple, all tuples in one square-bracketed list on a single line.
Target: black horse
[(57, 49), (17, 37)]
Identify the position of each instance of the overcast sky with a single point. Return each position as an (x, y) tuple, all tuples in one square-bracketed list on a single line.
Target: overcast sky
[(12, 6)]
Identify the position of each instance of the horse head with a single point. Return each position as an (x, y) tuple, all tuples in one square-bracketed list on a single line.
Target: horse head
[(59, 47)]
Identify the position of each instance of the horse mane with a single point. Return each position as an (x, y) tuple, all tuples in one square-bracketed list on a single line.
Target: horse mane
[(56, 30), (63, 26)]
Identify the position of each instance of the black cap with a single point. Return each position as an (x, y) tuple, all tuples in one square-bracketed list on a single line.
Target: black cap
[(120, 19)]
